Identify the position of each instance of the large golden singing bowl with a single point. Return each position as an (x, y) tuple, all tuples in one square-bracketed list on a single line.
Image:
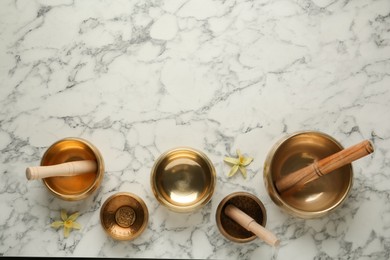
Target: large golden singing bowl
[(183, 179), (124, 216), (316, 198), (250, 205), (73, 187)]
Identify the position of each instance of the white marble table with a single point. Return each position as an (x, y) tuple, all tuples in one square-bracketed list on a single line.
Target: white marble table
[(137, 78)]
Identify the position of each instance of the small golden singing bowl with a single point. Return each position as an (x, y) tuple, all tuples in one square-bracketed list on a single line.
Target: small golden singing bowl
[(316, 198), (124, 216), (183, 179), (249, 204), (77, 187)]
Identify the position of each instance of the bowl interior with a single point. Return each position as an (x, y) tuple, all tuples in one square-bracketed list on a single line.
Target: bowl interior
[(320, 195), (183, 179), (124, 216), (72, 187), (249, 204)]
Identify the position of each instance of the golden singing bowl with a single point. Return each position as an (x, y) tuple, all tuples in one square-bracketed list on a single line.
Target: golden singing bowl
[(73, 187), (183, 179), (249, 204), (124, 216), (316, 198)]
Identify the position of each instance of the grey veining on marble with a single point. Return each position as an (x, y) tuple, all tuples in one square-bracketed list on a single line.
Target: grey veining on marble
[(137, 78)]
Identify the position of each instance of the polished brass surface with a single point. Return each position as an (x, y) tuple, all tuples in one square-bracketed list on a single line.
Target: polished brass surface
[(183, 179), (124, 216), (249, 204), (319, 197), (73, 187)]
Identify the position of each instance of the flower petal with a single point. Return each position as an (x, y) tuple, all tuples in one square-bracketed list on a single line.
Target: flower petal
[(247, 161), (231, 160), (233, 170), (239, 153), (57, 224), (73, 216), (66, 231), (243, 171), (76, 225), (64, 215)]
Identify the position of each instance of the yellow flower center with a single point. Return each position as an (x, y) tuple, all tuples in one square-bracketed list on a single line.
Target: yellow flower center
[(68, 223), (241, 159)]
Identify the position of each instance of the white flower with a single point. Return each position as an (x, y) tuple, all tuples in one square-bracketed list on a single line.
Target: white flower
[(238, 163), (68, 223)]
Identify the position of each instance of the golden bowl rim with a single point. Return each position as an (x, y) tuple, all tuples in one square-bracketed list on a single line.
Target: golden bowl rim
[(144, 208), (218, 213), (100, 171), (274, 194), (188, 208)]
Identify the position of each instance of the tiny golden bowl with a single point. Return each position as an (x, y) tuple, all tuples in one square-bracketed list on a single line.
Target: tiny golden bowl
[(183, 179), (124, 216), (317, 198), (249, 204), (77, 187)]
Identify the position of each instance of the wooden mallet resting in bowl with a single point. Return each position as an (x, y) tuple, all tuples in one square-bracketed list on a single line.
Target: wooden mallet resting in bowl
[(299, 178), (63, 169), (250, 224)]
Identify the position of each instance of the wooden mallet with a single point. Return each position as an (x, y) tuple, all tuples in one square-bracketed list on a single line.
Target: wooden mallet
[(324, 166), (251, 225), (63, 169)]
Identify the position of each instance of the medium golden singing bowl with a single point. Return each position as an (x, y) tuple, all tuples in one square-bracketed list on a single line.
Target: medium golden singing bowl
[(249, 204), (183, 179), (73, 187), (316, 198), (124, 216)]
